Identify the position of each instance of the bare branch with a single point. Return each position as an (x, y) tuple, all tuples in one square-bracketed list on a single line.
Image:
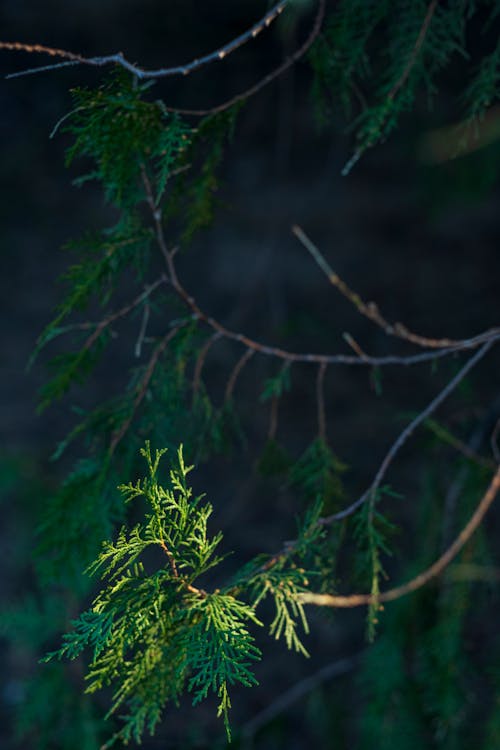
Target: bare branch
[(371, 311), (407, 432), (119, 59), (269, 78)]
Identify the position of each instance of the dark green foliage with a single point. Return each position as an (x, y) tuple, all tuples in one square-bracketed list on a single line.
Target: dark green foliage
[(397, 50), (122, 133), (318, 474)]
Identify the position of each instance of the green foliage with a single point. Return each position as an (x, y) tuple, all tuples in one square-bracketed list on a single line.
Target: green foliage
[(318, 473), (154, 636), (371, 533), (398, 50)]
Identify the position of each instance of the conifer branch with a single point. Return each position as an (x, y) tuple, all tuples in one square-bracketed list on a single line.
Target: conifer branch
[(141, 73), (357, 600), (431, 9)]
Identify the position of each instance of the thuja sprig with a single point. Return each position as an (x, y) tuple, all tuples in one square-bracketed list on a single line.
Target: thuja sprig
[(154, 636)]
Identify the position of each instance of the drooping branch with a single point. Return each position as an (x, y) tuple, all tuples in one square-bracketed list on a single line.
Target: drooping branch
[(406, 434), (370, 310), (357, 600), (141, 73)]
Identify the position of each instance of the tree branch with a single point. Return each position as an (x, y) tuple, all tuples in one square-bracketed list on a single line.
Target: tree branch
[(357, 600), (141, 73)]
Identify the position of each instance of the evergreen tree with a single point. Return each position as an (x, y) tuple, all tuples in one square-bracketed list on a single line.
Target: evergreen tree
[(169, 616)]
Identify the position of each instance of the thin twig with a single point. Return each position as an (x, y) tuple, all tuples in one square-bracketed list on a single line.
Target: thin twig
[(140, 73), (466, 449), (201, 361), (357, 600), (248, 353), (171, 559), (283, 354), (371, 311), (120, 313), (282, 68), (407, 432)]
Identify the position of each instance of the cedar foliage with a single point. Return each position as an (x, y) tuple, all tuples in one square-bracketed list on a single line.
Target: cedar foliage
[(152, 631)]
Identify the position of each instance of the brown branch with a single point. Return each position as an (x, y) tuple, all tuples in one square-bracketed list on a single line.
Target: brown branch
[(248, 353), (171, 559), (357, 600), (370, 310), (140, 73), (287, 356), (269, 78), (416, 49)]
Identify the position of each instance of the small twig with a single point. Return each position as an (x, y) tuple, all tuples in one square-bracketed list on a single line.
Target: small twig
[(248, 353), (298, 691), (141, 73), (354, 345), (201, 361), (120, 313), (170, 557), (467, 450), (371, 311), (407, 432), (357, 600), (320, 400), (282, 68)]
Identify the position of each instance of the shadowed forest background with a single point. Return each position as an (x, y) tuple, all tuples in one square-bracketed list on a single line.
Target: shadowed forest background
[(417, 236)]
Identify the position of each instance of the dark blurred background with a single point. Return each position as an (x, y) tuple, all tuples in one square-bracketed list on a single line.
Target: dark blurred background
[(420, 239)]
